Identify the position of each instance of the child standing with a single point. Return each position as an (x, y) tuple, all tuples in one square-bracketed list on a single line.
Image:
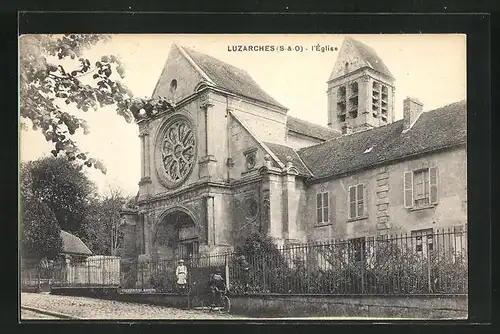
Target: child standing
[(181, 273)]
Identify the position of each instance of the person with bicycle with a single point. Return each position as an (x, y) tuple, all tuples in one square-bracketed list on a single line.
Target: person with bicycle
[(217, 286)]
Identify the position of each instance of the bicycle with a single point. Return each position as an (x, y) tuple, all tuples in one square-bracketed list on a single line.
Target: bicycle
[(223, 303)]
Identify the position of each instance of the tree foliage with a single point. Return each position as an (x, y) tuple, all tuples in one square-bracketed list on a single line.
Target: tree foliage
[(102, 229), (40, 232), (55, 74), (64, 189), (63, 197)]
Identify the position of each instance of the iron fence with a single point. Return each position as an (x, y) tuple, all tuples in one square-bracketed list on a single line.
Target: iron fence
[(433, 262), (158, 275), (424, 262), (94, 271), (35, 278)]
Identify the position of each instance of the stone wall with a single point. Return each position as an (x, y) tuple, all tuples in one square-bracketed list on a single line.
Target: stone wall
[(177, 68), (246, 206), (242, 144), (277, 306), (359, 306)]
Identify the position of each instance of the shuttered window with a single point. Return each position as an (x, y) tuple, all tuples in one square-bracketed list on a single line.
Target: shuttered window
[(433, 181), (421, 187), (322, 207), (356, 201), (408, 192)]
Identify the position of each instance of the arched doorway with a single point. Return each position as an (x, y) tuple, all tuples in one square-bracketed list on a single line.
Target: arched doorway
[(176, 236)]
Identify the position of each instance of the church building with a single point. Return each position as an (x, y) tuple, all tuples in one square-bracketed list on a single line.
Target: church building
[(228, 160)]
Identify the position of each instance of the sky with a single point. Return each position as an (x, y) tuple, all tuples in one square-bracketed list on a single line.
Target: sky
[(431, 68)]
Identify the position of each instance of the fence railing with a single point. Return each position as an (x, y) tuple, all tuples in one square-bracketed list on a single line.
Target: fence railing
[(433, 262), (159, 275), (93, 271), (419, 263)]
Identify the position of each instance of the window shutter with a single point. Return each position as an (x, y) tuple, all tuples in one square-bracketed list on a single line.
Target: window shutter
[(365, 200), (331, 209), (360, 200), (408, 189), (433, 185), (352, 202), (319, 210), (326, 204)]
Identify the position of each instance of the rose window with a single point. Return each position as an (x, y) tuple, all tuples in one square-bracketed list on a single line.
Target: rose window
[(177, 152)]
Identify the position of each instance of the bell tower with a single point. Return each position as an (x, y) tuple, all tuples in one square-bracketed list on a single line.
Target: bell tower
[(360, 90)]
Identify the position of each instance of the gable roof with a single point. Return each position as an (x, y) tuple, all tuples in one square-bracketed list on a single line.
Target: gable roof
[(73, 245), (283, 151), (367, 57), (310, 129), (434, 130), (230, 78), (371, 58)]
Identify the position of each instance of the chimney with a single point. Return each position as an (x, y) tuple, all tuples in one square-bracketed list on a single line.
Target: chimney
[(412, 108)]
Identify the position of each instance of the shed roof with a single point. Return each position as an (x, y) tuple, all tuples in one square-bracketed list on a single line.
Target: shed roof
[(73, 244)]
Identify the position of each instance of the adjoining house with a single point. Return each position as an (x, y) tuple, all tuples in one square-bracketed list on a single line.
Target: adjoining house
[(228, 160)]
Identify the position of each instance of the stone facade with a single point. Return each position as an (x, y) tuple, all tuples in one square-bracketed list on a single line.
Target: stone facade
[(208, 178), (384, 204)]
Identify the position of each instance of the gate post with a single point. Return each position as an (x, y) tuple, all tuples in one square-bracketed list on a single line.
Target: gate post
[(226, 264), (429, 285)]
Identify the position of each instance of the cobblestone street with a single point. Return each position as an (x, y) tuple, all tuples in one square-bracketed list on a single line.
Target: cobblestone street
[(30, 315), (90, 308)]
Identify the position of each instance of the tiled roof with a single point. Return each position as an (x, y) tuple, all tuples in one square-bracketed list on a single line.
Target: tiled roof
[(282, 151), (310, 129), (231, 78), (73, 245), (371, 58), (436, 129)]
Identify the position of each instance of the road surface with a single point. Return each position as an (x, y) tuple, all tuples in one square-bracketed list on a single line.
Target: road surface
[(31, 315), (90, 308)]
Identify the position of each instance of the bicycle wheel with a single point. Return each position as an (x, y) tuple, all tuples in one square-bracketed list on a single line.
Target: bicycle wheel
[(226, 304), (205, 306)]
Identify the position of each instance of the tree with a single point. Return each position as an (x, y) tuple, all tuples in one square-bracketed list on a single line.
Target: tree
[(103, 228), (40, 232), (64, 189), (55, 75)]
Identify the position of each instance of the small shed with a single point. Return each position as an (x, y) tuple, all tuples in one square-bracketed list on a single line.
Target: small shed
[(73, 246)]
